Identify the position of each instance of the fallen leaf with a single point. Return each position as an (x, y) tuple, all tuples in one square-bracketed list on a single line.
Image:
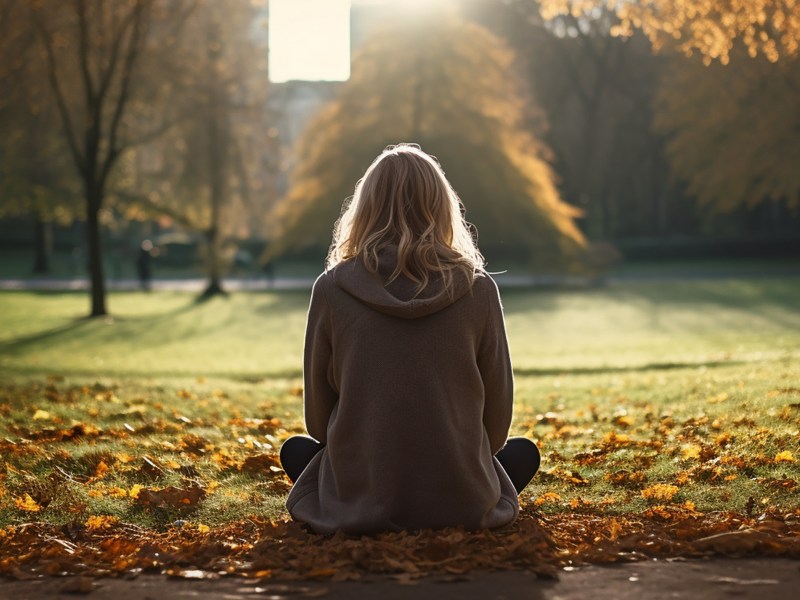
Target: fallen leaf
[(659, 491), (182, 499), (691, 451), (101, 522), (27, 504), (550, 497), (258, 464)]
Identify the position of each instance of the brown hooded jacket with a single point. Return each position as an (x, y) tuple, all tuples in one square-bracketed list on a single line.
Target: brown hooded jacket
[(412, 397)]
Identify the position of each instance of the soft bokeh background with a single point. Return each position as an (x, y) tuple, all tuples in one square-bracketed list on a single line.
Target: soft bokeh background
[(584, 136)]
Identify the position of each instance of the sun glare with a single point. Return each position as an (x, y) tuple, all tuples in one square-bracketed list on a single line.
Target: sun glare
[(309, 40)]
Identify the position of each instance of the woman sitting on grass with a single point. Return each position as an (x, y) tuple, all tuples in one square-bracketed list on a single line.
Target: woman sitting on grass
[(408, 381)]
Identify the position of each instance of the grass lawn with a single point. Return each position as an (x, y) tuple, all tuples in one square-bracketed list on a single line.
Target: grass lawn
[(644, 398)]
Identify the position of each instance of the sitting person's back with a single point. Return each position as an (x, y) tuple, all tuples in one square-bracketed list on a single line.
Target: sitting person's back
[(408, 380)]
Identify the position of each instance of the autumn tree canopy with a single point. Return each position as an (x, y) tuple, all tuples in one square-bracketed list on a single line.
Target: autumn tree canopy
[(733, 132), (449, 86), (710, 27)]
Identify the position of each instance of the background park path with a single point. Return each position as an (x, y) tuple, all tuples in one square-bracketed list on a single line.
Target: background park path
[(765, 579), (235, 284)]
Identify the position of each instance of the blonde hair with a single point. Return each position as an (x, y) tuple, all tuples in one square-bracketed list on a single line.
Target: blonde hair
[(404, 200)]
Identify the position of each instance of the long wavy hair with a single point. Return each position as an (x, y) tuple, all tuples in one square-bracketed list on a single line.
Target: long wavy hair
[(405, 201)]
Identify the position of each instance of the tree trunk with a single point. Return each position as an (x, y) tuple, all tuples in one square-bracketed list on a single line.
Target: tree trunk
[(93, 243), (44, 242), (217, 169), (214, 286)]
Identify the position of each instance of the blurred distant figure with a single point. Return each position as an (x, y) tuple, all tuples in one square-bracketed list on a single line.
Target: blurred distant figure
[(143, 264), (269, 272), (76, 262)]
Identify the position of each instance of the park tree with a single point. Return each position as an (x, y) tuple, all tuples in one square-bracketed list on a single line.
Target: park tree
[(38, 179), (450, 86), (728, 125), (770, 28), (596, 91), (90, 56), (732, 130), (211, 172)]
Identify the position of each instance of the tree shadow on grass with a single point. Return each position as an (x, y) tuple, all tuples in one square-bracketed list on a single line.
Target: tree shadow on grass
[(774, 302), (150, 374), (84, 327), (23, 342), (665, 366)]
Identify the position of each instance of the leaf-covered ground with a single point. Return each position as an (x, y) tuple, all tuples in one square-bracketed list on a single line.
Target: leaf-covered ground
[(666, 414)]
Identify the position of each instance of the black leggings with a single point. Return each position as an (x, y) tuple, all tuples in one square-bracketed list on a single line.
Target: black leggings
[(520, 458)]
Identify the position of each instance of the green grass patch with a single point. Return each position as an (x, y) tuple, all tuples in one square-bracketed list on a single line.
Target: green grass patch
[(641, 395)]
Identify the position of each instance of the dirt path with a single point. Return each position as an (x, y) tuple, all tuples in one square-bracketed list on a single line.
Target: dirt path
[(762, 579), (235, 284)]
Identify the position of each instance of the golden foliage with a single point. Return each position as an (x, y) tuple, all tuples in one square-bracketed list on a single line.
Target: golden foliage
[(452, 90), (770, 28), (732, 132)]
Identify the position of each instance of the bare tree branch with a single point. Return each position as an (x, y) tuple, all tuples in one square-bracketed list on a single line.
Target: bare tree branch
[(135, 41), (83, 54), (55, 85), (117, 36), (145, 201), (153, 134)]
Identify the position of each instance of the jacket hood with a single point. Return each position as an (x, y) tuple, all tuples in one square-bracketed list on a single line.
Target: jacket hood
[(397, 298)]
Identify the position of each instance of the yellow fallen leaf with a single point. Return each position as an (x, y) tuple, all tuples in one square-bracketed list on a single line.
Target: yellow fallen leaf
[(718, 398), (659, 491), (612, 438), (723, 439), (785, 456), (101, 469), (579, 502), (547, 497), (42, 415), (690, 451), (134, 491), (203, 528), (624, 421), (118, 492), (614, 529), (27, 503), (99, 522)]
